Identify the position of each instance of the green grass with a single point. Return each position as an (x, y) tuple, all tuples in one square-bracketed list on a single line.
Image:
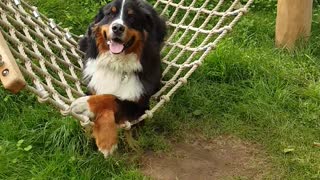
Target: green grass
[(246, 88)]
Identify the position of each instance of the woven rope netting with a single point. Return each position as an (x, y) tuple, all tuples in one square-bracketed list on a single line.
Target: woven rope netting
[(51, 63)]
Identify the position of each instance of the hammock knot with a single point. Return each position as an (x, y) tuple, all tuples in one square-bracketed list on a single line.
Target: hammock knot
[(183, 80), (166, 98), (126, 125), (149, 114), (66, 111), (44, 98), (44, 95), (198, 63), (86, 123), (171, 82), (52, 24), (68, 34), (17, 2), (228, 28), (244, 10), (35, 12)]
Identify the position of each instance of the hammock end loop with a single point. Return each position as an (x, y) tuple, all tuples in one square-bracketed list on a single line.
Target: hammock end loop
[(44, 97), (66, 111), (86, 123), (126, 125)]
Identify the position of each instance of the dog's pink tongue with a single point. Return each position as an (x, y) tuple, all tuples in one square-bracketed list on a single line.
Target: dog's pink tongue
[(115, 47)]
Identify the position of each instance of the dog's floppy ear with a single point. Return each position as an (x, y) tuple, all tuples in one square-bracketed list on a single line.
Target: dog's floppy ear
[(148, 15), (154, 22), (99, 16), (83, 42), (83, 46)]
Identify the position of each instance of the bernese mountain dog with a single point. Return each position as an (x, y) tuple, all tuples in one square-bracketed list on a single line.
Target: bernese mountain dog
[(122, 67)]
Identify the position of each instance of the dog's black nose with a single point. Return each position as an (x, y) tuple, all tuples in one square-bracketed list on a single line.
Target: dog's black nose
[(118, 28)]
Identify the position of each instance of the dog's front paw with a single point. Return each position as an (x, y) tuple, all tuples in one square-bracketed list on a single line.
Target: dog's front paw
[(106, 151), (100, 109), (81, 106), (105, 133)]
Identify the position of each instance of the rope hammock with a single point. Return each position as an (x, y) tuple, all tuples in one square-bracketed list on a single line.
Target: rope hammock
[(51, 64)]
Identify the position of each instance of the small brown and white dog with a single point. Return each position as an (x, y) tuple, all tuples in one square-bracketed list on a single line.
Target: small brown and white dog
[(122, 67)]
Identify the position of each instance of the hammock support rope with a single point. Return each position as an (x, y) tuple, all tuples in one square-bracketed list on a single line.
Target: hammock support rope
[(51, 64)]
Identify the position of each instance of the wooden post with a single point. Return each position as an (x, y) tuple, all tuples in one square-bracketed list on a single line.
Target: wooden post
[(293, 22), (10, 74)]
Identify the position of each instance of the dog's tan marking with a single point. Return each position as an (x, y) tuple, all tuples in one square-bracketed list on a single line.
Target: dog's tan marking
[(113, 9), (102, 32), (138, 43)]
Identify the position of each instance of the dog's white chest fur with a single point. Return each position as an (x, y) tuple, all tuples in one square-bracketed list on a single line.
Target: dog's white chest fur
[(116, 75)]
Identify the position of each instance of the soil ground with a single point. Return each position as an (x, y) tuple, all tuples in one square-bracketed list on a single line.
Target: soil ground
[(221, 158)]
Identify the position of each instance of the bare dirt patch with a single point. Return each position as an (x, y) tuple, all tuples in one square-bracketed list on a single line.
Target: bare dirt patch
[(221, 158)]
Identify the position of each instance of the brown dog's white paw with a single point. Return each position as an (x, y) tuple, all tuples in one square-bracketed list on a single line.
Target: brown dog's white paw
[(81, 106)]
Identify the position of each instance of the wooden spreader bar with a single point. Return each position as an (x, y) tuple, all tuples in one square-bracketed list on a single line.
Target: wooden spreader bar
[(10, 74)]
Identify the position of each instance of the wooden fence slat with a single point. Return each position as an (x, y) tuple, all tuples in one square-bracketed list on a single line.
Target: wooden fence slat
[(293, 23)]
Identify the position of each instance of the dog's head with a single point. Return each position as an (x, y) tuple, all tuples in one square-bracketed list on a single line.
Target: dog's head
[(122, 26)]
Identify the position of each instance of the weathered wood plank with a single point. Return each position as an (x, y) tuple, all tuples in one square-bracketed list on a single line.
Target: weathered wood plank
[(293, 23), (10, 74)]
